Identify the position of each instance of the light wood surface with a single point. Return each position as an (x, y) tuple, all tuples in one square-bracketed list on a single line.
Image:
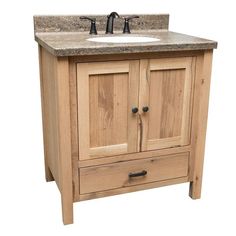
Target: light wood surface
[(45, 123), (106, 93), (50, 119), (134, 56), (92, 140), (133, 120), (64, 132), (132, 156), (134, 188), (199, 124), (166, 88), (57, 133), (108, 106), (112, 176), (74, 127)]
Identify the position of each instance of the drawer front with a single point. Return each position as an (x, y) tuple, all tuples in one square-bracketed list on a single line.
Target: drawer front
[(130, 173)]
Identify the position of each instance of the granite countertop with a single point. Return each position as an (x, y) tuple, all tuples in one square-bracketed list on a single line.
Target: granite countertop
[(67, 36), (75, 43)]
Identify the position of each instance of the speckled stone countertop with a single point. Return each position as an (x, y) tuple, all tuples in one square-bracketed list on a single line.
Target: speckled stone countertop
[(75, 43)]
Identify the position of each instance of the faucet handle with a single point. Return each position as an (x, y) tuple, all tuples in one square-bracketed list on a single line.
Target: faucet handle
[(93, 29), (130, 17), (126, 29)]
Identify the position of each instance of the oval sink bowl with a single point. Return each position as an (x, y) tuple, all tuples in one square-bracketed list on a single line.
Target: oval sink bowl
[(124, 39)]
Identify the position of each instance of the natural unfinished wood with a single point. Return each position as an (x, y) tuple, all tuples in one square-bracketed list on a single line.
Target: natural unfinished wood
[(45, 107), (63, 106), (74, 127), (166, 87), (108, 106), (132, 156), (92, 139), (50, 120), (199, 124), (57, 133), (106, 93), (113, 176), (134, 56), (134, 188)]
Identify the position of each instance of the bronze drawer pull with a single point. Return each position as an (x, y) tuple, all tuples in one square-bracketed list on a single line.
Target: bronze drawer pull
[(137, 174)]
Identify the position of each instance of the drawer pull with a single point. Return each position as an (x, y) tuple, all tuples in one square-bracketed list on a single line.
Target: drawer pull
[(137, 174)]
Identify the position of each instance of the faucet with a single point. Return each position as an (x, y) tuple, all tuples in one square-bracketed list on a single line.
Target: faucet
[(110, 20)]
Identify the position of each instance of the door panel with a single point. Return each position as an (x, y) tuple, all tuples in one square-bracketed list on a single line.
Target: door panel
[(108, 107), (107, 91), (166, 88)]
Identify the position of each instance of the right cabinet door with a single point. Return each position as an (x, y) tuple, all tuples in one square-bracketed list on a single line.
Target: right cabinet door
[(166, 89)]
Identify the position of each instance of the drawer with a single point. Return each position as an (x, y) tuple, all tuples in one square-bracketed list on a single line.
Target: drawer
[(129, 173)]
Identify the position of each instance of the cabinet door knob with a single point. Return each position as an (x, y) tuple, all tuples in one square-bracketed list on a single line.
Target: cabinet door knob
[(134, 110), (138, 174), (145, 109)]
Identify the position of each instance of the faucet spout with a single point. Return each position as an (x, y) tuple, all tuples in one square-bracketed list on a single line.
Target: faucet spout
[(110, 21)]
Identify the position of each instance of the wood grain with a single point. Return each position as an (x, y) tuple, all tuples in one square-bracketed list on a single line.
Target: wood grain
[(199, 124), (106, 94), (144, 93), (64, 138), (166, 103), (44, 106), (50, 119), (83, 109), (132, 156), (74, 127), (92, 141), (112, 176), (134, 188), (105, 151), (108, 105), (134, 56), (57, 129), (133, 127), (166, 88), (108, 67)]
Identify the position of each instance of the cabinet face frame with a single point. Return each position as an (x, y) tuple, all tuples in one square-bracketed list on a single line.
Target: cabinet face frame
[(165, 66), (84, 72)]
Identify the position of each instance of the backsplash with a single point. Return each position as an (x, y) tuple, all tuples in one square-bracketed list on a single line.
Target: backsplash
[(75, 24)]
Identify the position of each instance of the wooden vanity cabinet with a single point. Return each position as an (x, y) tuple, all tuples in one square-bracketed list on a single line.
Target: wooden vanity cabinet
[(123, 123)]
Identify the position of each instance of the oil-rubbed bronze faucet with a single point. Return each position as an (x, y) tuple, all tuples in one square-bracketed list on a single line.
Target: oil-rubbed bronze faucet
[(110, 20)]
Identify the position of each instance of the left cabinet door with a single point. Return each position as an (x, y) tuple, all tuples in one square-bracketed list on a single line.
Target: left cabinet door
[(107, 92)]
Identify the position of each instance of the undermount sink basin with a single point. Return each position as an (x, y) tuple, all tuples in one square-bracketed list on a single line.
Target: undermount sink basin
[(124, 39)]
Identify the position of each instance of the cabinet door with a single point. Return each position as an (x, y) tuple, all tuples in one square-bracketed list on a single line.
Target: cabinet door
[(107, 91), (166, 89)]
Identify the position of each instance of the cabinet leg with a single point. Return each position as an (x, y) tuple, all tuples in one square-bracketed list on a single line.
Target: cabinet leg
[(195, 188), (67, 210), (48, 173), (199, 122)]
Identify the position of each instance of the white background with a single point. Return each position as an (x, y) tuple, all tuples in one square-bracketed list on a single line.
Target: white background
[(30, 206)]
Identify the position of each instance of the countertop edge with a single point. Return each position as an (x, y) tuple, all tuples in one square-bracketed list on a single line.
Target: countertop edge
[(46, 46), (126, 50)]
